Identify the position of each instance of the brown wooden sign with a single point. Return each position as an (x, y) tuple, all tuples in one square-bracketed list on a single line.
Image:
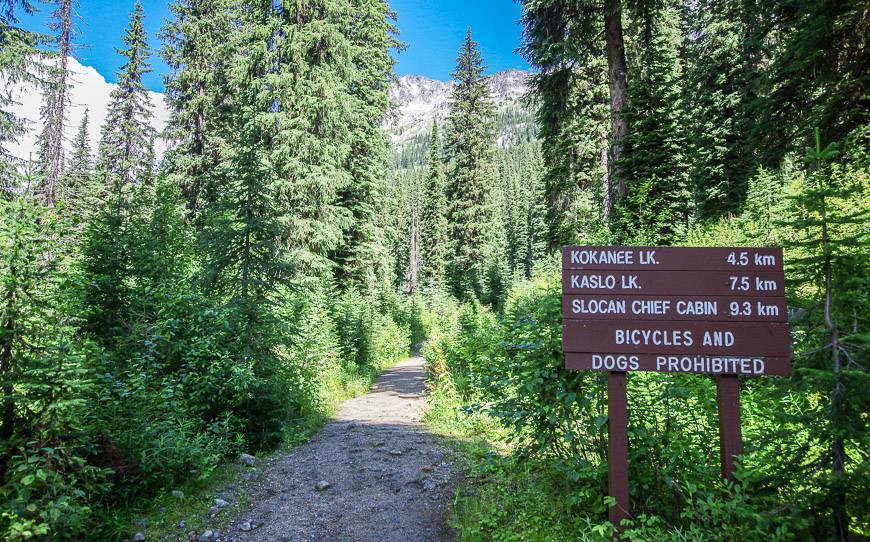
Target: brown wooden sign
[(666, 337), (719, 311), (748, 283), (672, 363), (672, 258), (664, 307)]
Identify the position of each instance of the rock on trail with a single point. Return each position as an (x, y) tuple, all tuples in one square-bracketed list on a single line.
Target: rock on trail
[(349, 484)]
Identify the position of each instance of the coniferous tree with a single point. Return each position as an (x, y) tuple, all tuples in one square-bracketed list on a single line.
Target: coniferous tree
[(435, 240), (77, 183), (18, 48), (362, 257), (720, 79), (815, 75), (56, 102), (470, 143), (562, 38), (536, 229), (300, 64), (31, 287), (654, 162), (128, 132), (833, 239), (121, 164), (198, 47)]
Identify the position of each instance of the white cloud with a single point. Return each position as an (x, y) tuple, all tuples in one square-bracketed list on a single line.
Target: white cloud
[(90, 90)]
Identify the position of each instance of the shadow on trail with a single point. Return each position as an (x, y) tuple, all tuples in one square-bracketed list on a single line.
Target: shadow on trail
[(389, 479)]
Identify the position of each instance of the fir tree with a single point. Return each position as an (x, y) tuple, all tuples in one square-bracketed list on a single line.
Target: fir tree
[(832, 237), (435, 240), (77, 182), (128, 132), (654, 159), (198, 47), (563, 39), (300, 63), (56, 102), (362, 257), (720, 79), (815, 75), (17, 54), (31, 292), (470, 148), (121, 164)]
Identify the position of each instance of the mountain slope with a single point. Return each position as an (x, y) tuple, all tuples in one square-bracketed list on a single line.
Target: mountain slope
[(417, 101), (89, 90)]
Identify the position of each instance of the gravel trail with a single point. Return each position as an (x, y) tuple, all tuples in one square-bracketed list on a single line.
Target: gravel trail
[(389, 480)]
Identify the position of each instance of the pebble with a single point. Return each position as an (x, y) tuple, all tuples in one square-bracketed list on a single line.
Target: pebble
[(396, 452), (322, 485), (378, 444), (246, 526), (250, 476), (247, 459), (220, 503), (182, 524), (206, 536), (139, 537), (177, 494), (426, 468)]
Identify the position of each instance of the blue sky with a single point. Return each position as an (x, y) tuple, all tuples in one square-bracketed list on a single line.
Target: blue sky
[(432, 31)]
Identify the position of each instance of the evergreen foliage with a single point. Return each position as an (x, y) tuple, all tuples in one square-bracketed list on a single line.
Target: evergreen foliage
[(17, 50), (436, 248), (719, 97), (198, 47), (362, 256), (79, 169), (56, 102), (654, 162), (127, 132), (470, 151)]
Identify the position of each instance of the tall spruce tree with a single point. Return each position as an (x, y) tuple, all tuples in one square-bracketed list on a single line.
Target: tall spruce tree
[(654, 161), (816, 74), (18, 48), (720, 75), (127, 132), (198, 47), (301, 64), (563, 40), (535, 208), (121, 164), (77, 179), (435, 239), (470, 146), (56, 102), (361, 258)]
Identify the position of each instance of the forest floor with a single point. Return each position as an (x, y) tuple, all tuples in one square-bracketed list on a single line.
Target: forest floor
[(374, 473)]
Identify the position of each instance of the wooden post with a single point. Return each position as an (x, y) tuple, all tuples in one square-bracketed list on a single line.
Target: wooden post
[(617, 446), (730, 439)]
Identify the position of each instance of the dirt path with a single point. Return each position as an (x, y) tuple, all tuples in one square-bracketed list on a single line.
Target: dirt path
[(389, 479)]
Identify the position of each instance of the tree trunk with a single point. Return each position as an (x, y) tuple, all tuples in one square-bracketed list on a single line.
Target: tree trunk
[(838, 451), (616, 75)]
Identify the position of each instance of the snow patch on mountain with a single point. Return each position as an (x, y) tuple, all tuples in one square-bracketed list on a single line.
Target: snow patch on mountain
[(89, 90), (417, 100)]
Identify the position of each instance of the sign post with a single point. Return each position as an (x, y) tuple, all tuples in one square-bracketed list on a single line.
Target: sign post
[(719, 311), (617, 446)]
